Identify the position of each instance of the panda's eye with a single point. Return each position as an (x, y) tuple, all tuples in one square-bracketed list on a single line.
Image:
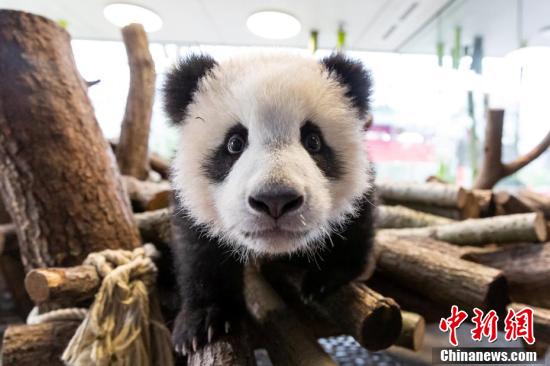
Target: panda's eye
[(313, 142), (235, 144)]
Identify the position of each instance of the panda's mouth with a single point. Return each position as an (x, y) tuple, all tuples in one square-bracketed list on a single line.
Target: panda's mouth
[(275, 233)]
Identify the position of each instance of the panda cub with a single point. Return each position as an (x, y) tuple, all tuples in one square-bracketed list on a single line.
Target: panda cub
[(271, 163)]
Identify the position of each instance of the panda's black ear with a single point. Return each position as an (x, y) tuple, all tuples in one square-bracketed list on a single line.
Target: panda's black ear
[(354, 77), (182, 82)]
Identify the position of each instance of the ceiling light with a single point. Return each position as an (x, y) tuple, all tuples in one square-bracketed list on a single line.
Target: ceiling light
[(273, 25), (123, 14)]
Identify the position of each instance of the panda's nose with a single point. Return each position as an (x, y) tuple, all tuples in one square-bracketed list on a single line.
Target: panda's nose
[(276, 201)]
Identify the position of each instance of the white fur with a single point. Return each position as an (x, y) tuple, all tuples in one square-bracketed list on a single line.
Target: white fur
[(272, 96)]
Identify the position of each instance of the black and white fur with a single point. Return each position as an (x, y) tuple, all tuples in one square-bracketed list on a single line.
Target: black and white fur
[(298, 185)]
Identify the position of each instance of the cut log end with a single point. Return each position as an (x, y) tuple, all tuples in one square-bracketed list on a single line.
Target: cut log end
[(37, 284), (541, 227), (386, 316), (412, 334)]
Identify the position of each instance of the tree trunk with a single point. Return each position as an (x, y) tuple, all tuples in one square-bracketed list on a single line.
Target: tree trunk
[(443, 278), (154, 226), (132, 150), (29, 345), (59, 180), (493, 169)]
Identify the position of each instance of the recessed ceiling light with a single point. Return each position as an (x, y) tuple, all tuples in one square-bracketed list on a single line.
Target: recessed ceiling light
[(121, 15), (273, 24)]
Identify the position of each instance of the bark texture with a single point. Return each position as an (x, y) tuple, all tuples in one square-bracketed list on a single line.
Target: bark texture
[(132, 149), (62, 284), (372, 319), (526, 267), (29, 345), (401, 217), (442, 278), (59, 180), (436, 194), (499, 229)]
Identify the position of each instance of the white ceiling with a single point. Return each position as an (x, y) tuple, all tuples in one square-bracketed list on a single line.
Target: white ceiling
[(377, 25), (368, 23)]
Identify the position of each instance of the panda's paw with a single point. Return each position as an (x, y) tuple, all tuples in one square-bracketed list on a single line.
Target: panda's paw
[(318, 284), (194, 328)]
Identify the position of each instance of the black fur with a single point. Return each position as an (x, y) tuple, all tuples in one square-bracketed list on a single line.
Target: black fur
[(218, 165), (181, 84), (210, 282), (326, 159), (354, 76), (211, 279)]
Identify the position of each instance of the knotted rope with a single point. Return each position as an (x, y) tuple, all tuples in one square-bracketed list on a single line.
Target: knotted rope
[(124, 325)]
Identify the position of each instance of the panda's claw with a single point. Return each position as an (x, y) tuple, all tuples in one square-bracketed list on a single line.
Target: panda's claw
[(227, 327), (195, 344)]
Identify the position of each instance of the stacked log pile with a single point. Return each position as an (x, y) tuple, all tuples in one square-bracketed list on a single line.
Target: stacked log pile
[(437, 244)]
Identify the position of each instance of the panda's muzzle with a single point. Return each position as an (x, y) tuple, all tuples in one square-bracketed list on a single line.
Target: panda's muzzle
[(276, 200)]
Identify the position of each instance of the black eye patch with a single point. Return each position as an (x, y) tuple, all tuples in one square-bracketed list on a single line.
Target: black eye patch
[(325, 158), (220, 161)]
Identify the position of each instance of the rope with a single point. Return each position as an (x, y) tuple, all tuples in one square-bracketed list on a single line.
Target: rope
[(124, 326), (56, 315)]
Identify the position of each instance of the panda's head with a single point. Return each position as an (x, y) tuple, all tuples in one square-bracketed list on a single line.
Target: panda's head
[(271, 158)]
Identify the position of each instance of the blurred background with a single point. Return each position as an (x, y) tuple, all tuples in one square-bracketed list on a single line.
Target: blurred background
[(437, 66)]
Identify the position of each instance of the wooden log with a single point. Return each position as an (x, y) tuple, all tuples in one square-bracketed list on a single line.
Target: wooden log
[(154, 226), (233, 349), (499, 229), (407, 298), (8, 239), (493, 169), (145, 195), (508, 204), (29, 345), (372, 319), (485, 201), (430, 194), (442, 278), (402, 217), (541, 321), (159, 165), (132, 150), (525, 266), (535, 201), (71, 284), (412, 334), (451, 213), (288, 342), (63, 194)]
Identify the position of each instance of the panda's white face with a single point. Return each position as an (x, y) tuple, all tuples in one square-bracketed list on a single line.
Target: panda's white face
[(271, 157)]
